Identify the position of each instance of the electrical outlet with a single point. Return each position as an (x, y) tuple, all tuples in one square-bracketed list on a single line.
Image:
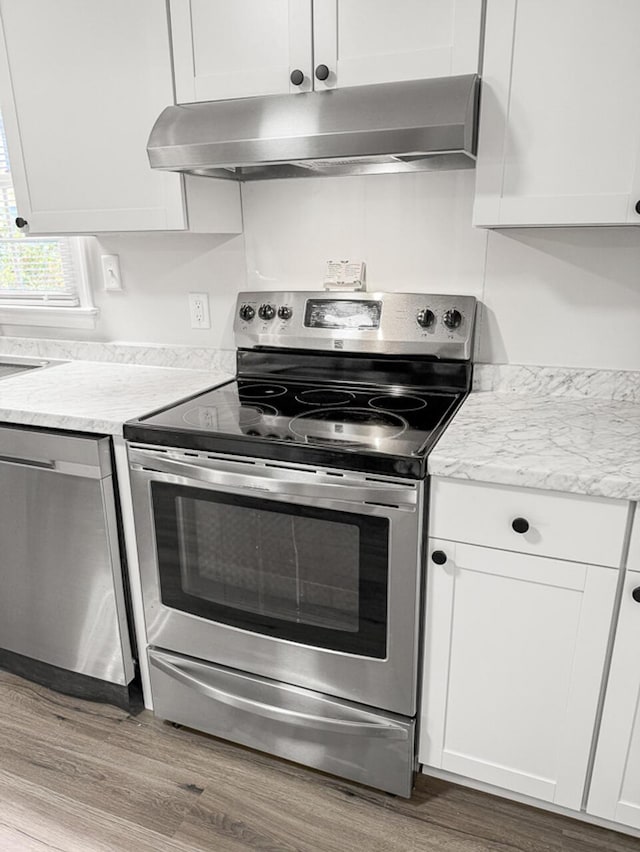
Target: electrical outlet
[(199, 310)]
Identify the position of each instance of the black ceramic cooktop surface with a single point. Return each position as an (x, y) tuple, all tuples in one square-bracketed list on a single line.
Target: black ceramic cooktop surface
[(297, 421)]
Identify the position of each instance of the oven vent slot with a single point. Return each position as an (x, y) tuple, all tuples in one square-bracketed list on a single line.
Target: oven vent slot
[(384, 505), (230, 461), (286, 467)]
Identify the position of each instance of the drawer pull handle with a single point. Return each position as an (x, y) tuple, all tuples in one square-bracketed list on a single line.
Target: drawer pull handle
[(520, 525), (635, 594), (439, 557)]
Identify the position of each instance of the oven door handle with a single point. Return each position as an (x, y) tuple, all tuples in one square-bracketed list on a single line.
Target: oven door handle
[(181, 672), (391, 495)]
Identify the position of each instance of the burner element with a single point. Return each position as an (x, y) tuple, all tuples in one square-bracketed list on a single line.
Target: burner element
[(214, 418), (260, 391), (397, 402), (250, 414), (325, 396), (350, 425)]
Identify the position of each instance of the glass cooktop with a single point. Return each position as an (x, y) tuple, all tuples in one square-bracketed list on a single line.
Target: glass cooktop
[(386, 420)]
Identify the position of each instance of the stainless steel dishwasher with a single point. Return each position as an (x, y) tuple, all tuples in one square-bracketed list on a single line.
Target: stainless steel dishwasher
[(63, 618)]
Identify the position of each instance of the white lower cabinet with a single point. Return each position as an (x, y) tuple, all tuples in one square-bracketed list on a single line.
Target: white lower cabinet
[(515, 649), (615, 785)]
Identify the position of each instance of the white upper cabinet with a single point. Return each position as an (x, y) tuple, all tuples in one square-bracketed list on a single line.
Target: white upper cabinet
[(238, 48), (615, 787), (362, 42), (559, 140), (81, 84)]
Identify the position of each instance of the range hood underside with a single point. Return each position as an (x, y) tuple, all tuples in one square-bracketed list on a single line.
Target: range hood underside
[(384, 164)]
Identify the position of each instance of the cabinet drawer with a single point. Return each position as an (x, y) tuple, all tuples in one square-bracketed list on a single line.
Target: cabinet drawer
[(564, 526)]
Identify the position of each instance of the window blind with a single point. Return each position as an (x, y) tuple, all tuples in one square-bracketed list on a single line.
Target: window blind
[(32, 269)]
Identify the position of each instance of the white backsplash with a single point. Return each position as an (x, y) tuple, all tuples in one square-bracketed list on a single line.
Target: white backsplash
[(558, 297), (551, 296)]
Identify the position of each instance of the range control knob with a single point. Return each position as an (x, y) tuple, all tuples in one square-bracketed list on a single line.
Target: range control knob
[(246, 313), (425, 318), (452, 318), (266, 312), (285, 312)]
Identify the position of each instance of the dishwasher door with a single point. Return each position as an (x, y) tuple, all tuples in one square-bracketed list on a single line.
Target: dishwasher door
[(61, 586)]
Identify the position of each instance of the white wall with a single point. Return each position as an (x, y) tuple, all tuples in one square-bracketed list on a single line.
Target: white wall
[(158, 272), (567, 296)]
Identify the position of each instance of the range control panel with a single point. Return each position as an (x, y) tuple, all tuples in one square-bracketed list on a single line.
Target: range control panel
[(387, 323)]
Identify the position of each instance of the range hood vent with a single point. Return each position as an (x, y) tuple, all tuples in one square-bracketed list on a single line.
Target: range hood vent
[(393, 127)]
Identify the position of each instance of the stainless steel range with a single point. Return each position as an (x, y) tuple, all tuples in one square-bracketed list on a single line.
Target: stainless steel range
[(280, 521)]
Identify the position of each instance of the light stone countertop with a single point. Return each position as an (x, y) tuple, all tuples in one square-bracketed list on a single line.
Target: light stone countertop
[(90, 396), (549, 428), (542, 438)]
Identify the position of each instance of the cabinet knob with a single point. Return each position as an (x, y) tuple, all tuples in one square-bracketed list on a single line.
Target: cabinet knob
[(638, 207), (520, 525), (635, 594), (20, 222), (439, 557), (322, 72), (296, 77)]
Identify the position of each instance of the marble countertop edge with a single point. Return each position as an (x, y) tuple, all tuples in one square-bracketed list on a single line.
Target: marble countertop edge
[(593, 484), (70, 422)]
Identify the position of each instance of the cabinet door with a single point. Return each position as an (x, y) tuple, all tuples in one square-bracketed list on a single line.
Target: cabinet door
[(389, 40), (238, 48), (513, 665), (615, 787), (559, 140), (81, 84)]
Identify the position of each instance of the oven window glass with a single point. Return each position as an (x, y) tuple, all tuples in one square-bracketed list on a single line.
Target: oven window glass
[(300, 573)]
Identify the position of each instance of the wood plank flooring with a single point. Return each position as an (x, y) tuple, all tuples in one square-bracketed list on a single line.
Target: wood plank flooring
[(82, 777)]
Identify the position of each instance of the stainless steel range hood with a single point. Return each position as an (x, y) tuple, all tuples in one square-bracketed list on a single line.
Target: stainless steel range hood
[(394, 127)]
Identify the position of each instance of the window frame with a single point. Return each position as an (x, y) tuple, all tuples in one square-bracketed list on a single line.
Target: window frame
[(40, 310), (16, 311)]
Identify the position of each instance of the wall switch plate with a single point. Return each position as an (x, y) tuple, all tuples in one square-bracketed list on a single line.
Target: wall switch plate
[(111, 278), (199, 310)]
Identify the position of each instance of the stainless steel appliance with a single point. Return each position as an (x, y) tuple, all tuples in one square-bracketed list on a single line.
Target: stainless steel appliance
[(13, 365), (62, 608), (280, 524), (410, 126)]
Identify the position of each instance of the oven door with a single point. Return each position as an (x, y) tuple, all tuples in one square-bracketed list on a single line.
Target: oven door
[(306, 576)]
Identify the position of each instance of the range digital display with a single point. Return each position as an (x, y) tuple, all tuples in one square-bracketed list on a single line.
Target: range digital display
[(343, 314)]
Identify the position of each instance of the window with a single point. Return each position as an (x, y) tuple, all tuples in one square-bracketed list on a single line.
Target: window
[(43, 280)]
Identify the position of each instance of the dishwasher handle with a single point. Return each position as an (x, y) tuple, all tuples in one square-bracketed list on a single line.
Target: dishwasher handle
[(46, 464), (70, 468)]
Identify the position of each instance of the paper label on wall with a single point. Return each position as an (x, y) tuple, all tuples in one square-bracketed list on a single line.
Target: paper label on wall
[(345, 275)]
